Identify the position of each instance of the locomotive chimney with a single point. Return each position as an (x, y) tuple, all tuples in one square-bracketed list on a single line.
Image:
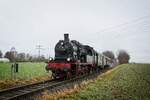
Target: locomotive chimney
[(66, 37)]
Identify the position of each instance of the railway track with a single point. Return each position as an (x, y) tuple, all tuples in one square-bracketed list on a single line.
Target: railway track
[(21, 91), (32, 90)]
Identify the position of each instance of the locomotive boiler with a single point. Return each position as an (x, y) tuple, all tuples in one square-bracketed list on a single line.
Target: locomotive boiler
[(73, 58)]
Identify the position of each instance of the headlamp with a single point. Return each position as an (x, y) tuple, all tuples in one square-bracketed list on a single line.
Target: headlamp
[(68, 59), (50, 59)]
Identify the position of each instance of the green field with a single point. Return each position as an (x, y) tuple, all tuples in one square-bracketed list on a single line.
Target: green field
[(125, 82), (27, 70)]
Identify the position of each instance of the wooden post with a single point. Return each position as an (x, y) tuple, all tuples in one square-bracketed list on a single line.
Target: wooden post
[(12, 71)]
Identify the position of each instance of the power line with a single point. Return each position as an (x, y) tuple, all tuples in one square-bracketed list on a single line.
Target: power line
[(39, 47), (115, 29), (126, 23)]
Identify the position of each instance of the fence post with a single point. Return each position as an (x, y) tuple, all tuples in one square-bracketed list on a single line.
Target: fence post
[(12, 71)]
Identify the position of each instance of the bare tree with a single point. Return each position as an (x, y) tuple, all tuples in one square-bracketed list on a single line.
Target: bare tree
[(1, 54), (21, 57), (109, 54), (123, 57), (27, 57), (10, 56), (42, 58), (30, 58)]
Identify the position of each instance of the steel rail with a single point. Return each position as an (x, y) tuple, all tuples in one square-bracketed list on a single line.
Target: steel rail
[(5, 94)]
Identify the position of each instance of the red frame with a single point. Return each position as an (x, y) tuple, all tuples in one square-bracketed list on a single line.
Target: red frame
[(58, 65), (62, 65)]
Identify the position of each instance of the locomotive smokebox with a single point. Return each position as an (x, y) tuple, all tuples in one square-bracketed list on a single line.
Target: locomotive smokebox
[(66, 37)]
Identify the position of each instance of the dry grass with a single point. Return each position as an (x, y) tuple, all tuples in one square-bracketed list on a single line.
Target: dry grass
[(64, 93), (11, 83)]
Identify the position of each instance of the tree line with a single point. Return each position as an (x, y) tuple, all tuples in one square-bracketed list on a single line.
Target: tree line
[(122, 56), (14, 56)]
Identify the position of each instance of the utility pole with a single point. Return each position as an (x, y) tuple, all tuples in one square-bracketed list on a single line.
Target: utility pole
[(39, 47)]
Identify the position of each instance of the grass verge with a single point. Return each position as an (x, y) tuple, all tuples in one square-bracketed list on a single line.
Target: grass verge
[(127, 82)]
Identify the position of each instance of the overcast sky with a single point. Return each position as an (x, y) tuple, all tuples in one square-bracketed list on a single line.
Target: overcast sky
[(102, 24)]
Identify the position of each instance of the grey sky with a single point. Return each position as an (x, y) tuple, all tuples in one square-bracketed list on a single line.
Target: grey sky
[(103, 24)]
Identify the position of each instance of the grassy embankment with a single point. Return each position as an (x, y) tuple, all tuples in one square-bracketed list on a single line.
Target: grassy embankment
[(127, 82), (28, 73)]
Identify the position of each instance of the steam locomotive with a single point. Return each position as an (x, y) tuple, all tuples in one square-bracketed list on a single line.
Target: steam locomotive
[(73, 59)]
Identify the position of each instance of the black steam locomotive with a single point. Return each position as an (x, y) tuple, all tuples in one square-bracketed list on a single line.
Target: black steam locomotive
[(73, 58)]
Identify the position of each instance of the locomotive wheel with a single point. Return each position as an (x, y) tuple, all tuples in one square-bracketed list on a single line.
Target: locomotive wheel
[(53, 76), (79, 72), (86, 70), (99, 69), (69, 75)]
